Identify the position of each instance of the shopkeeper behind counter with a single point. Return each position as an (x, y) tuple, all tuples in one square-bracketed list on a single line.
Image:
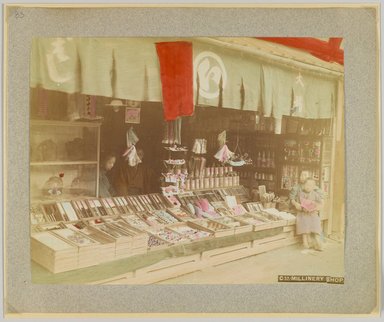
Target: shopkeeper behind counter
[(105, 187), (132, 176)]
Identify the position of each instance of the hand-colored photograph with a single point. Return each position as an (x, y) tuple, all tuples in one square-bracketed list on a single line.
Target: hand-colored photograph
[(203, 160)]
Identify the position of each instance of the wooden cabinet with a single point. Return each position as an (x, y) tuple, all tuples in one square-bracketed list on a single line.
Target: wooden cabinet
[(262, 148), (299, 153), (64, 160)]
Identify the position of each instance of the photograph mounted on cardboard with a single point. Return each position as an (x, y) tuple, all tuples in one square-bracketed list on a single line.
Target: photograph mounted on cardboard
[(207, 160)]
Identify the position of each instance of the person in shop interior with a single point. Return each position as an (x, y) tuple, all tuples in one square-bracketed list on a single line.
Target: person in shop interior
[(132, 177), (307, 199), (105, 187)]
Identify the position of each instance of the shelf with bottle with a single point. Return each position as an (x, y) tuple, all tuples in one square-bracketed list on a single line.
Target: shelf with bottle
[(290, 175), (302, 151), (212, 177), (302, 164), (265, 159)]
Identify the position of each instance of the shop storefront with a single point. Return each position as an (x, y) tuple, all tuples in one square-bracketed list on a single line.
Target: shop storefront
[(152, 158)]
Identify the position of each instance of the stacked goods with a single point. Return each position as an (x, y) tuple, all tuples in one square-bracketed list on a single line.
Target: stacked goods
[(216, 228), (111, 207), (180, 214), (136, 221), (238, 226), (106, 249), (291, 219), (53, 253), (258, 222), (139, 238), (168, 235), (165, 217), (88, 248), (67, 235), (191, 231), (150, 219), (123, 238)]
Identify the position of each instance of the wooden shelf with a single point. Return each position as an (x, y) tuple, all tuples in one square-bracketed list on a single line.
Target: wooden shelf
[(49, 163), (304, 164), (65, 123)]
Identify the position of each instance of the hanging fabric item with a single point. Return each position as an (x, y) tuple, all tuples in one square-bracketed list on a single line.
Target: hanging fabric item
[(200, 146), (132, 138), (224, 154), (197, 89), (298, 91), (131, 156), (222, 138), (221, 92), (42, 102), (242, 94), (176, 73), (130, 153), (172, 132)]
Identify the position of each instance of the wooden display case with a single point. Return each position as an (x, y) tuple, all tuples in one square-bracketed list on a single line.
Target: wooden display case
[(92, 231), (216, 228), (64, 160), (306, 153)]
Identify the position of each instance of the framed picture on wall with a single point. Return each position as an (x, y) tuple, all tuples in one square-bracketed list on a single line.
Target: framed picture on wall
[(132, 115)]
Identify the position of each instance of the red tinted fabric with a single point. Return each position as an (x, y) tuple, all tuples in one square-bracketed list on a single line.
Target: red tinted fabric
[(328, 51), (176, 72)]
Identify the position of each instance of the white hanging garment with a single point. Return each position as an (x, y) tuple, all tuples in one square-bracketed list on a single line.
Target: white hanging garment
[(131, 156), (222, 138), (132, 138), (224, 154)]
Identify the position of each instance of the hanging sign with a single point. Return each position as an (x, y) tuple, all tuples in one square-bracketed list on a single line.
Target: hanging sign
[(132, 115)]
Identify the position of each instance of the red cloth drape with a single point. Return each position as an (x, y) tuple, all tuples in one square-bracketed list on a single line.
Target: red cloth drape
[(176, 72)]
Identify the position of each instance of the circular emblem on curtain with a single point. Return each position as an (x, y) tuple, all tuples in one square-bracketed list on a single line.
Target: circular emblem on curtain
[(210, 70)]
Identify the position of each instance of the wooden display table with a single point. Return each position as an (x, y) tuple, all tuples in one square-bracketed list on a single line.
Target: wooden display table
[(155, 266)]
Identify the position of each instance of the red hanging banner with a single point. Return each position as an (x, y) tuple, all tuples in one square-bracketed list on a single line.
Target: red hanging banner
[(176, 72)]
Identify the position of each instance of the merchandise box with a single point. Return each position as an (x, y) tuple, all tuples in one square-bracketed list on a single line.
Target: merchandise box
[(191, 231), (258, 223), (156, 243), (165, 217), (218, 229), (97, 208), (150, 219), (53, 253), (111, 206), (180, 214), (135, 203), (169, 236), (107, 244), (82, 209), (88, 248), (135, 221), (123, 206), (238, 225)]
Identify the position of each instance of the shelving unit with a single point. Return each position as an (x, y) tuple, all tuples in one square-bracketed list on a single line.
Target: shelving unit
[(68, 153), (263, 150), (305, 152)]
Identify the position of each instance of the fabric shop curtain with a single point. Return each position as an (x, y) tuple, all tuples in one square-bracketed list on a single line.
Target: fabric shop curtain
[(128, 68)]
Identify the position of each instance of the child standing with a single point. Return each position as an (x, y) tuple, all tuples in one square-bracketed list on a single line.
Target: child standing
[(308, 200)]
